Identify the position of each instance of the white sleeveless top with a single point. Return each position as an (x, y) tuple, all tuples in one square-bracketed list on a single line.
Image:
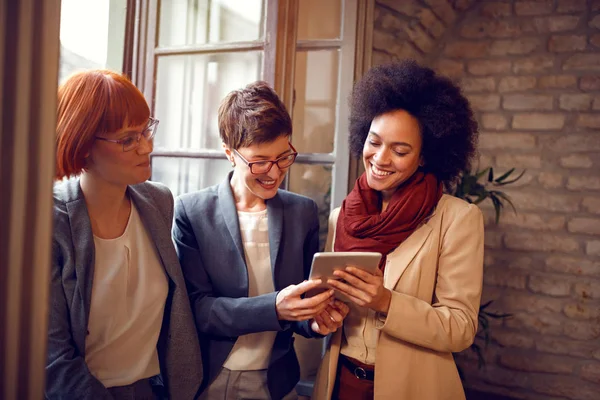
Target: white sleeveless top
[(253, 351), (128, 299)]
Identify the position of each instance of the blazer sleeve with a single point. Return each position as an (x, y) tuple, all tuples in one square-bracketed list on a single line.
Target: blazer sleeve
[(67, 374), (311, 246), (221, 316), (449, 324)]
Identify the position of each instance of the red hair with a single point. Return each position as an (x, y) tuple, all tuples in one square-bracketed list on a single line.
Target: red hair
[(91, 103)]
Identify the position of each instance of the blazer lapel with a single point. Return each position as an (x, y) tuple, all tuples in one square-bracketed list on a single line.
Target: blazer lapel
[(275, 222), (403, 255), (155, 223), (227, 208), (84, 253)]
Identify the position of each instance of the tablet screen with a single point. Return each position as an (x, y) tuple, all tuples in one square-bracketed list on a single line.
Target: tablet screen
[(324, 264)]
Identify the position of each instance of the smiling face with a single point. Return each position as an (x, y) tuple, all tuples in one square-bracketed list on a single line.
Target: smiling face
[(108, 161), (258, 187), (392, 151)]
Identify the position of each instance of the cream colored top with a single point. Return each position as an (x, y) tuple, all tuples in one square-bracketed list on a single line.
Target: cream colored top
[(360, 334), (253, 351), (126, 311)]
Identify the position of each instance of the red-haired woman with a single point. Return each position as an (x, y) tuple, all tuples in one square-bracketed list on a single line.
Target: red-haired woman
[(120, 323)]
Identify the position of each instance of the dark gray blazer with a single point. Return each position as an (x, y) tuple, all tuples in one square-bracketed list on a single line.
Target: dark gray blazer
[(208, 240), (67, 375)]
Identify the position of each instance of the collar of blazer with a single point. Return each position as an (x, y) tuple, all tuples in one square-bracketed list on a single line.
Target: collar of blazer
[(274, 215), (402, 256), (83, 241)]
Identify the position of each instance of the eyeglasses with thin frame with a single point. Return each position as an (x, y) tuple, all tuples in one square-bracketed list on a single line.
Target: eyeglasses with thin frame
[(263, 167), (132, 141)]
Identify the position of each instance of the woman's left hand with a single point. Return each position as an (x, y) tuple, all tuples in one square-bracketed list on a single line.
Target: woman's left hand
[(363, 288)]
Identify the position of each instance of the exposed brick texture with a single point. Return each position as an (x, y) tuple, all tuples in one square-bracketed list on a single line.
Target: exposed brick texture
[(531, 69)]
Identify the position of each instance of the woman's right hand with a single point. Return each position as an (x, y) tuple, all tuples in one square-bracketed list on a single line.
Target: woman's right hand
[(290, 306)]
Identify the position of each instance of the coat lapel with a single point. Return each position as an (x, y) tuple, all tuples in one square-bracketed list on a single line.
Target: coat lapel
[(155, 223), (229, 212), (84, 251), (406, 252), (403, 255), (275, 222), (335, 345)]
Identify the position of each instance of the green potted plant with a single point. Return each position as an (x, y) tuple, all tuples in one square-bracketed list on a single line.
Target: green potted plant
[(471, 189)]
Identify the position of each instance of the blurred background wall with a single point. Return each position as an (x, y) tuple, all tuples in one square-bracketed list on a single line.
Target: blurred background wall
[(532, 72)]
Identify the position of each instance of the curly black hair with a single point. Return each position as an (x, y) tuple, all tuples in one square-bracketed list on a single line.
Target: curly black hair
[(448, 128)]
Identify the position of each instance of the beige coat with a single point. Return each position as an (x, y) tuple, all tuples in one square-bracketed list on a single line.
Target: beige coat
[(436, 279)]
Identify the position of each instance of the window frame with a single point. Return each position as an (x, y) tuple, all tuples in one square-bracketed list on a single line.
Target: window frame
[(147, 56)]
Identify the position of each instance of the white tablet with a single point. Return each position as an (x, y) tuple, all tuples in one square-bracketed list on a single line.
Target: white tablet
[(324, 264)]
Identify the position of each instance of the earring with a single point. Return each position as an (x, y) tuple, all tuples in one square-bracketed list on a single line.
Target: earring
[(233, 163)]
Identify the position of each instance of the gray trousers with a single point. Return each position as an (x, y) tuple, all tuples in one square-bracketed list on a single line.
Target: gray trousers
[(238, 385)]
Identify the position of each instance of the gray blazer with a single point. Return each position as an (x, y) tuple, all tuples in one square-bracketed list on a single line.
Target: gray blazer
[(208, 240), (67, 375)]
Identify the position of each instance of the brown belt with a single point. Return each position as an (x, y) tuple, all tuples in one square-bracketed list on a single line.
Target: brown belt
[(360, 370)]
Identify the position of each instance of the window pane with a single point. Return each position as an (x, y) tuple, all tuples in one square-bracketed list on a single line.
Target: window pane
[(186, 22), (183, 175), (85, 40), (314, 181), (318, 19), (315, 83), (189, 90)]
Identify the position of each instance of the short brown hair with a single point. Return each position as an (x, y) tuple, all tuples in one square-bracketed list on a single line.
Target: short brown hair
[(253, 115), (89, 103)]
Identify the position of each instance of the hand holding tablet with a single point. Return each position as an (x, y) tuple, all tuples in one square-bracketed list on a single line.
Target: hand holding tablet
[(324, 264)]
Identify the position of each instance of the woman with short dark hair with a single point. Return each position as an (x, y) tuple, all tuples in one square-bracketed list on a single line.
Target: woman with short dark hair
[(415, 133), (246, 249)]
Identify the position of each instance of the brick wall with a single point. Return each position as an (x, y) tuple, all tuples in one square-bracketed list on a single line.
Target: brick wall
[(532, 72)]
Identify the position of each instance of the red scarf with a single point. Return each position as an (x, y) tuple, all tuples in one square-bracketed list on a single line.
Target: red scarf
[(361, 225)]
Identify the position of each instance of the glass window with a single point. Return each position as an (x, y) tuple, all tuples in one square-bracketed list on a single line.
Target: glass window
[(318, 19), (189, 89), (86, 41), (185, 22), (314, 181), (184, 175), (316, 84), (323, 77)]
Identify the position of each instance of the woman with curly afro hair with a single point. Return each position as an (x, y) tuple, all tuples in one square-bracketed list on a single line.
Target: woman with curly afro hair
[(415, 132)]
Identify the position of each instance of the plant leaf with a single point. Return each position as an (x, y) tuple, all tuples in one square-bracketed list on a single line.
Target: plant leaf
[(504, 197), (479, 174), (485, 305), (497, 206), (498, 315), (513, 180), (480, 360), (485, 324), (505, 175)]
